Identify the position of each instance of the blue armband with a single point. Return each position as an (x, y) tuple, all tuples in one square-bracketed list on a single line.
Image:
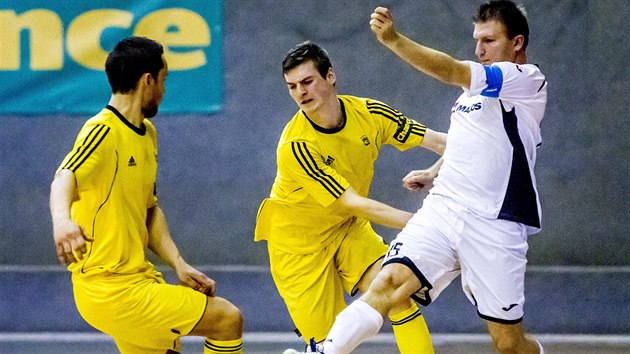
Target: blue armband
[(494, 81)]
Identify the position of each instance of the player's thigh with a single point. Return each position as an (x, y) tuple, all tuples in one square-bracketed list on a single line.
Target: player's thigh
[(125, 347), (310, 287), (359, 256), (428, 247), (148, 313), (493, 256)]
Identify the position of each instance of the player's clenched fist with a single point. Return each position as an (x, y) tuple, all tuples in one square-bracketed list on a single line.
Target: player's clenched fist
[(419, 180), (382, 24)]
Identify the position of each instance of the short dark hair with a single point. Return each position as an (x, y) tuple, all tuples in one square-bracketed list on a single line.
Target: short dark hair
[(131, 58), (513, 17), (304, 52)]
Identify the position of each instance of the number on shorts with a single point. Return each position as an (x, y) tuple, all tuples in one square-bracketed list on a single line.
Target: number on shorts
[(394, 249)]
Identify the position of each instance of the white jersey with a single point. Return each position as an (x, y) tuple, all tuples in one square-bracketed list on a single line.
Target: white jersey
[(491, 145)]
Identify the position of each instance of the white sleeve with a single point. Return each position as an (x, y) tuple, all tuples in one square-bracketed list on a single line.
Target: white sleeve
[(505, 80)]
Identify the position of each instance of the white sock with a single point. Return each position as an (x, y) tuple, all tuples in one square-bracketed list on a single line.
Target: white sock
[(357, 323), (542, 351)]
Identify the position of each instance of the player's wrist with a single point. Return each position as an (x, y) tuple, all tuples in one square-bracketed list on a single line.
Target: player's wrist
[(60, 220), (394, 41), (179, 264)]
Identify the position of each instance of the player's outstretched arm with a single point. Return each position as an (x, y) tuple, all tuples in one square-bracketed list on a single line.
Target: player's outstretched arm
[(161, 243), (429, 61), (69, 237), (372, 210)]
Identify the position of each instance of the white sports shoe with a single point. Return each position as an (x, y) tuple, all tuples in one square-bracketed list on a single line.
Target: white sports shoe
[(293, 351), (311, 348)]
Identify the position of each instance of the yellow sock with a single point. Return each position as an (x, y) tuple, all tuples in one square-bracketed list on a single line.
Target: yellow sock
[(411, 332), (213, 346)]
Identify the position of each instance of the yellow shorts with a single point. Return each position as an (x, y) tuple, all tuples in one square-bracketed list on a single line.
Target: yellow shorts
[(142, 312), (312, 285)]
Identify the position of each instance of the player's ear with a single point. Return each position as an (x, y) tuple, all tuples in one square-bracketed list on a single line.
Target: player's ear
[(146, 78), (331, 76), (518, 41), (144, 81)]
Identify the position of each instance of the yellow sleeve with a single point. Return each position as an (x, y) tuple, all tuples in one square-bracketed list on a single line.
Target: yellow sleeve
[(306, 166), (399, 130), (90, 148)]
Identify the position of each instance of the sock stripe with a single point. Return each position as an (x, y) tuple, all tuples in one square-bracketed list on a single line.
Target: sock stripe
[(223, 348), (409, 318)]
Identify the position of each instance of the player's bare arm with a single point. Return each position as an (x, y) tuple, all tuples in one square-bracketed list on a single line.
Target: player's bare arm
[(161, 243), (434, 141), (434, 63), (69, 237), (372, 210)]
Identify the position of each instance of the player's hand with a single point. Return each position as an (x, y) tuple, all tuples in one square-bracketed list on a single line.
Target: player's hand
[(382, 24), (195, 279), (419, 180), (70, 241)]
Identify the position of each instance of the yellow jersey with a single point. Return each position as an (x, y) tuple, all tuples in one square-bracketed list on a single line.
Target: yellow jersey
[(115, 166), (316, 166)]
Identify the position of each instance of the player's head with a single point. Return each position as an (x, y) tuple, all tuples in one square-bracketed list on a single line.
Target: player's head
[(304, 52), (310, 77), (501, 31), (133, 59)]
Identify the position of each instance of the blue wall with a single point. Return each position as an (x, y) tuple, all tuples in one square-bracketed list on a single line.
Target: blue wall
[(214, 170)]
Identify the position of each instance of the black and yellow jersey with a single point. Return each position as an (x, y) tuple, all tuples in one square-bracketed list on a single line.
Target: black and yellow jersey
[(115, 166), (316, 166)]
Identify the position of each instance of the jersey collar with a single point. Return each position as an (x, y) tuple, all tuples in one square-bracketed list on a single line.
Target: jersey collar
[(140, 131), (330, 130)]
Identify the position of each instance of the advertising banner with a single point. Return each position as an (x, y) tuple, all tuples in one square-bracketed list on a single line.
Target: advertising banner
[(52, 53)]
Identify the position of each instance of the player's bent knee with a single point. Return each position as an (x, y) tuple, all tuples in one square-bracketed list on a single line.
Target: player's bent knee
[(385, 289), (393, 277), (383, 284), (233, 317), (222, 320)]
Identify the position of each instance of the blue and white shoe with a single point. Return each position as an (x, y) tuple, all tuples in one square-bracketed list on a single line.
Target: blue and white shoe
[(311, 348)]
